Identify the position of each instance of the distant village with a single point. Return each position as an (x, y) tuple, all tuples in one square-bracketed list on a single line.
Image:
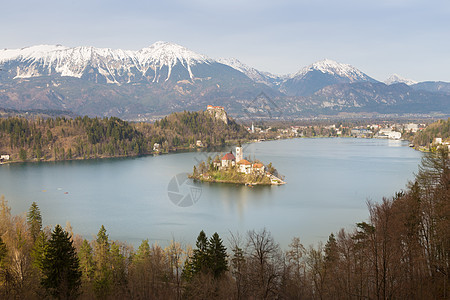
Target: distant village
[(392, 131)]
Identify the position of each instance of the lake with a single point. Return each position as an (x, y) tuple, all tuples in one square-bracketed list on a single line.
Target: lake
[(328, 180)]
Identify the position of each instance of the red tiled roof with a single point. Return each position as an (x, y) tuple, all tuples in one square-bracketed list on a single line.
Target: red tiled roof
[(216, 107), (244, 162), (228, 156), (257, 165)]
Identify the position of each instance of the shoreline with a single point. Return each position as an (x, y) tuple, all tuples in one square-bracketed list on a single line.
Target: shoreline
[(235, 182), (181, 150)]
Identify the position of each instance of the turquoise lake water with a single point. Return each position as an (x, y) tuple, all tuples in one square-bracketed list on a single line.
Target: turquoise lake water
[(328, 180)]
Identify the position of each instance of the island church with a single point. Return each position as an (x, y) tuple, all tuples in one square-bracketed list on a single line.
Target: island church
[(242, 165)]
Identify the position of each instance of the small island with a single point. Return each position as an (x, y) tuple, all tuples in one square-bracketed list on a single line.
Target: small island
[(237, 170)]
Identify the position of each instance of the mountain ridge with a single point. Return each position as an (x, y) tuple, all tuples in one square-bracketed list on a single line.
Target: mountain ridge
[(166, 77)]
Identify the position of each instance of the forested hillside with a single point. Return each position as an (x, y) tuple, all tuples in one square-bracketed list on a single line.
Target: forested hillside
[(83, 138), (401, 252), (184, 129), (439, 129)]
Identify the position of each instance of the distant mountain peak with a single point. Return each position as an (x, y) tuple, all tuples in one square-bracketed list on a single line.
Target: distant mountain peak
[(395, 78), (167, 52), (328, 66)]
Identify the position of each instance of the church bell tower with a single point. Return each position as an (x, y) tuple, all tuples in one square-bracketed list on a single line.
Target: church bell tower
[(239, 153)]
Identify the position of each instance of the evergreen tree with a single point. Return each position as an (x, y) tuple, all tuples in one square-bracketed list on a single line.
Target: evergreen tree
[(118, 264), (86, 262), (34, 220), (199, 259), (61, 269), (103, 276), (209, 257), (23, 154), (38, 251), (217, 256)]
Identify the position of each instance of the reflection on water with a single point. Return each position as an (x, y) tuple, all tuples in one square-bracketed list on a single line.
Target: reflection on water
[(328, 183)]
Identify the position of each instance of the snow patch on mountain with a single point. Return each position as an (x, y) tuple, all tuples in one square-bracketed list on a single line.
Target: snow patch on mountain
[(47, 59), (162, 54), (33, 52), (252, 73), (236, 64), (332, 67), (394, 78)]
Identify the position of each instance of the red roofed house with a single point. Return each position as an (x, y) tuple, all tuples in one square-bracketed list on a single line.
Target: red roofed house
[(228, 160), (258, 168), (244, 166)]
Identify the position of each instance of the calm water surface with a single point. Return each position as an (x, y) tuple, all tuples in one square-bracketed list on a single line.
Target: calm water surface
[(328, 184)]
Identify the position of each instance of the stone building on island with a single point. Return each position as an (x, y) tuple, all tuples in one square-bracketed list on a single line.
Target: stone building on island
[(242, 165)]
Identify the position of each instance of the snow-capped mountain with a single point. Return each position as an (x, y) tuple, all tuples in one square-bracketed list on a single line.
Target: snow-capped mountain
[(252, 73), (155, 63), (320, 74), (394, 78), (162, 78), (167, 77), (328, 66)]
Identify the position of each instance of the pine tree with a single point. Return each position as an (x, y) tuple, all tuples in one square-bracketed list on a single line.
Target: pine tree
[(38, 251), (118, 264), (86, 262), (61, 270), (217, 256), (199, 259), (34, 220), (103, 275), (23, 154)]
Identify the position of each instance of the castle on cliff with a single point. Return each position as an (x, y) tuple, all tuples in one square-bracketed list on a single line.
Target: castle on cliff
[(217, 112)]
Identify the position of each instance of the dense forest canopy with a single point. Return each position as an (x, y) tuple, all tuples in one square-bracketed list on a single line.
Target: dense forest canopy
[(81, 138)]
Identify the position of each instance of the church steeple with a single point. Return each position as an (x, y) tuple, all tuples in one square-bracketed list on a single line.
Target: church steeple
[(239, 153)]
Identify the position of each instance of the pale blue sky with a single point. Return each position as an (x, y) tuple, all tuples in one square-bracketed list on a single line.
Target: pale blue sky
[(380, 37)]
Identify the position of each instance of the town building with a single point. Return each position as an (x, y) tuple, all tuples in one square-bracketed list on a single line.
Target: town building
[(244, 166), (411, 127), (4, 157), (258, 168), (228, 160)]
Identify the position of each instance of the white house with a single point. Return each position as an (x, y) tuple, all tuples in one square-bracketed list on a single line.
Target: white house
[(244, 166), (411, 127), (228, 160), (394, 135), (438, 141), (4, 157), (258, 168)]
